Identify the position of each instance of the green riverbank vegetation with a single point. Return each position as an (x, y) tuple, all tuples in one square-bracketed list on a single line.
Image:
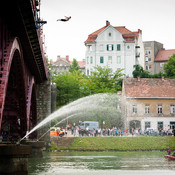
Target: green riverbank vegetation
[(117, 144)]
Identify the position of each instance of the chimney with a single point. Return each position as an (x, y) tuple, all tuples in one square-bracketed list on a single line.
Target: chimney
[(107, 23), (163, 78), (138, 78), (58, 57), (139, 31), (67, 58)]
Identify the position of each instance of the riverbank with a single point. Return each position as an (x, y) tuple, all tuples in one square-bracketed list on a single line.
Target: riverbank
[(112, 143)]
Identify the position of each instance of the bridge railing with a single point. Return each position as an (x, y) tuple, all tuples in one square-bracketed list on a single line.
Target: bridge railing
[(36, 14)]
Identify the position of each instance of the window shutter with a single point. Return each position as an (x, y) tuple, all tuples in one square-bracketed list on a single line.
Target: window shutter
[(101, 59), (112, 47), (107, 47), (118, 47)]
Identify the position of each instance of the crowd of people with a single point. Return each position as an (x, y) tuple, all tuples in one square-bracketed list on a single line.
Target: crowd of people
[(76, 131)]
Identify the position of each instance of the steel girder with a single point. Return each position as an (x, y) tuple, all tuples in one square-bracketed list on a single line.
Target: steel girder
[(17, 92)]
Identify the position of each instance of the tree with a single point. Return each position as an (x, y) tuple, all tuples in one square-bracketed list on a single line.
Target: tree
[(139, 72), (74, 66), (67, 88), (104, 80), (74, 85), (169, 68)]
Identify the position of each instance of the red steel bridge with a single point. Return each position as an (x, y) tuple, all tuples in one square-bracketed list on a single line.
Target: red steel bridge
[(22, 65)]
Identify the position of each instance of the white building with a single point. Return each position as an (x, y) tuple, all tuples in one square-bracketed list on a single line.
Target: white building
[(115, 47)]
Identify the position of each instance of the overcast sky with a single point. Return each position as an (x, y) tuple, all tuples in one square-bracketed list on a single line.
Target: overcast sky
[(156, 19)]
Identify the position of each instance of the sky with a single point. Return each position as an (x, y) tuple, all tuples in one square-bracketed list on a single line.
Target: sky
[(156, 19)]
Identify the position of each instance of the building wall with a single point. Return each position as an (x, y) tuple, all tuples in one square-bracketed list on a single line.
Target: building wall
[(61, 66), (153, 116), (151, 50), (140, 52), (99, 49), (159, 67)]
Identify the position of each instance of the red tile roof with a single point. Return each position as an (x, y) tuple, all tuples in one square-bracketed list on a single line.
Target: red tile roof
[(149, 88), (164, 55), (80, 63), (127, 34)]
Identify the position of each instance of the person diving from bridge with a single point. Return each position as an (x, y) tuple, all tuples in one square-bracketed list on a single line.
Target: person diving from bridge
[(65, 19)]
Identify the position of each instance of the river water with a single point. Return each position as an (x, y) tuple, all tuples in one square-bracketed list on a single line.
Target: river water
[(102, 163)]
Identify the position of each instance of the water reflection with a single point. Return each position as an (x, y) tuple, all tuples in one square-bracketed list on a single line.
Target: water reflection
[(99, 163)]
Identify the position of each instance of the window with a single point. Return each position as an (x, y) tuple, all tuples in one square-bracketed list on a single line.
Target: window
[(87, 60), (110, 47), (110, 34), (87, 71), (128, 47), (134, 109), (172, 109), (149, 59), (172, 125), (159, 109), (147, 109), (118, 47), (146, 59), (159, 125), (101, 60), (147, 125), (109, 59), (90, 48), (91, 60), (118, 59), (148, 52), (147, 68)]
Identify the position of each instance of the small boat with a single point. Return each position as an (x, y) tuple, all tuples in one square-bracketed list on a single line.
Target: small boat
[(169, 157)]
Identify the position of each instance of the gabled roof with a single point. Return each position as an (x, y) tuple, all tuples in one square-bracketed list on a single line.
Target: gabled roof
[(126, 33), (149, 88), (57, 62), (164, 55), (81, 64)]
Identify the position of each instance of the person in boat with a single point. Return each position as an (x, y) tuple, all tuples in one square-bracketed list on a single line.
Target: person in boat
[(65, 19), (169, 151)]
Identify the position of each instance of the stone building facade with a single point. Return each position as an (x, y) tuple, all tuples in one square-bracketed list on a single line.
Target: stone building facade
[(62, 65), (148, 103), (151, 48), (115, 47)]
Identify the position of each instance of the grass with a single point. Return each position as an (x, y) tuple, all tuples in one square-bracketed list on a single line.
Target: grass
[(119, 144)]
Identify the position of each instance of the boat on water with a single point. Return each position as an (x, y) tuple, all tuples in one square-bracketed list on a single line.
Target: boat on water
[(169, 157)]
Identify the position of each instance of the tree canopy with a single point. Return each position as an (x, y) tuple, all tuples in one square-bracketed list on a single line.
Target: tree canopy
[(169, 68), (104, 80), (74, 66), (139, 72), (74, 85)]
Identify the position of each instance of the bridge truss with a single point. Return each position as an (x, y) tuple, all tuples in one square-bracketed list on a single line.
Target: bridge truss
[(22, 66)]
